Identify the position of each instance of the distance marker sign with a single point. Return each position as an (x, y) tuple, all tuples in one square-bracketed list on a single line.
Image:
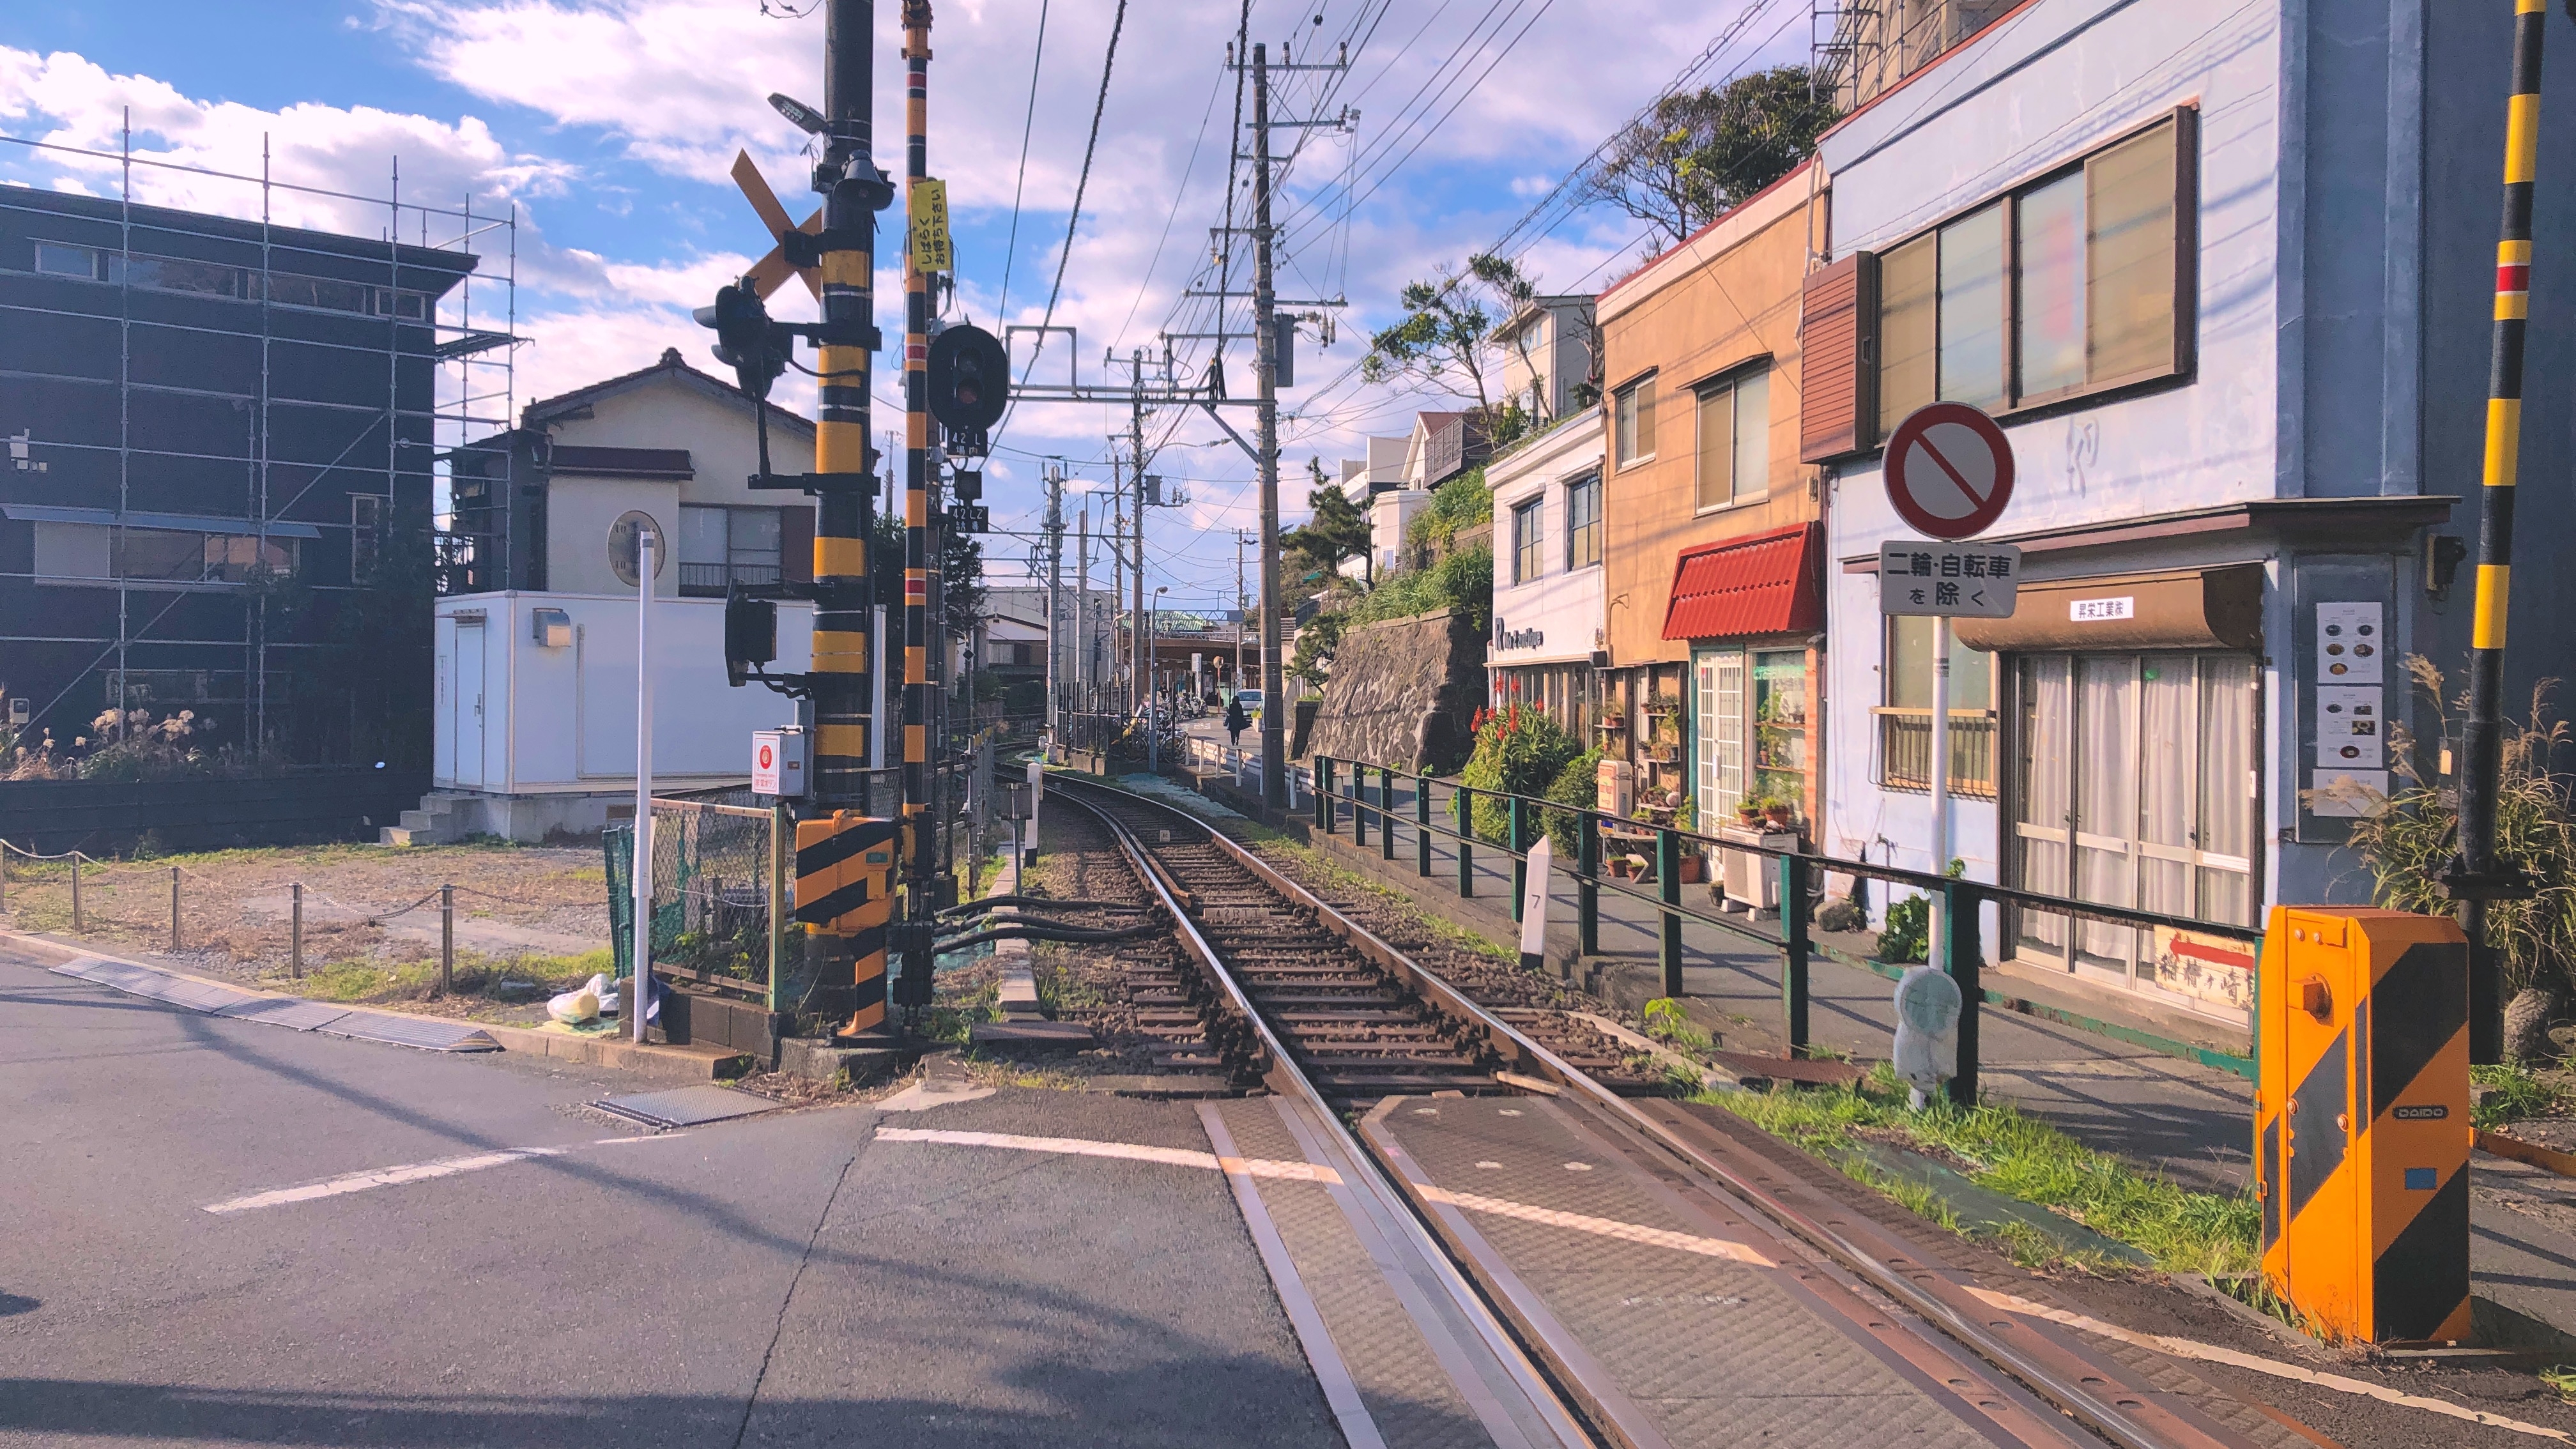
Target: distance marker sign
[(1949, 470)]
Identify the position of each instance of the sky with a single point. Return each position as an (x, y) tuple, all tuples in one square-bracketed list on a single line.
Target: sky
[(607, 129)]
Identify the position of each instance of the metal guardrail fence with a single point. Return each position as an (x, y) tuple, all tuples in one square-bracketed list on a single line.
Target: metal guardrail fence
[(1336, 789)]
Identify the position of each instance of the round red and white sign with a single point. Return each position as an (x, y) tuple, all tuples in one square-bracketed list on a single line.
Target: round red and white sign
[(766, 757), (1949, 470)]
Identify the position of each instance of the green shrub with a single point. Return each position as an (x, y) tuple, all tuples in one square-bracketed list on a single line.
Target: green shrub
[(1908, 936), (1576, 785), (1519, 751)]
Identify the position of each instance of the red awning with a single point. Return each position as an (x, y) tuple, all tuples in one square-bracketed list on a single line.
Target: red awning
[(1770, 583)]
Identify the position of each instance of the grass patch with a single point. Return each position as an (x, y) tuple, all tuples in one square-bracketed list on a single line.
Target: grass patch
[(2000, 1147), (2561, 1379), (2514, 1093), (489, 977)]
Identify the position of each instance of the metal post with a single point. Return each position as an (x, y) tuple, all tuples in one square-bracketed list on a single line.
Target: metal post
[(1940, 772), (174, 908), (1386, 812), (1463, 800), (447, 949), (641, 866), (1517, 833), (1055, 596), (1959, 908), (1587, 884), (1324, 794), (2476, 878), (782, 832), (1794, 950), (4, 877), (77, 925), (295, 934), (1668, 879), (1274, 740), (1359, 803), (1422, 825)]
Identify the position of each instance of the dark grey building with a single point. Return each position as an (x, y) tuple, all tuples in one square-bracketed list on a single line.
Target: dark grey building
[(216, 494)]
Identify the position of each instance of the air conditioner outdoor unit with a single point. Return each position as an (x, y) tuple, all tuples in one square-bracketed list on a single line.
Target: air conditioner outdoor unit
[(1751, 880)]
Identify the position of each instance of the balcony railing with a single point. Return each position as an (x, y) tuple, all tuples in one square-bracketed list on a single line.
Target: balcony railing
[(715, 578), (1905, 751)]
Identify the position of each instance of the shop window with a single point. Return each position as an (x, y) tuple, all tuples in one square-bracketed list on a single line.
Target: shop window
[(2135, 785), (1527, 561), (1780, 761), (1632, 418), (1583, 523), (1905, 718), (2070, 284), (1735, 439)]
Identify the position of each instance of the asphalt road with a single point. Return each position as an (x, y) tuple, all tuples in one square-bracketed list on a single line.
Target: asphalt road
[(785, 1279)]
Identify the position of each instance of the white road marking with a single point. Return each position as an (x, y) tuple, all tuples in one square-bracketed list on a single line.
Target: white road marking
[(381, 1177), (1129, 1151), (2212, 1353), (1604, 1227)]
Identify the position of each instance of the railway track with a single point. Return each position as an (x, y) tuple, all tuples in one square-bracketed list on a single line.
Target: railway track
[(1306, 1000)]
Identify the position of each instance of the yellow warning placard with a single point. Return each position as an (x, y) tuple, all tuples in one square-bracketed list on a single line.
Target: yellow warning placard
[(928, 206)]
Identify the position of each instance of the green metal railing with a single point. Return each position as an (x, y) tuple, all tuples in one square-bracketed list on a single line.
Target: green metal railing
[(1800, 875)]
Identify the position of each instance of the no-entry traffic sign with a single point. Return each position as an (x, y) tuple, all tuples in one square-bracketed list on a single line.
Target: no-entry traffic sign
[(1949, 470)]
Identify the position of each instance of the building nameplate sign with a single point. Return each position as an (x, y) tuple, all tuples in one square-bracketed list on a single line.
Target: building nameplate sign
[(2097, 611)]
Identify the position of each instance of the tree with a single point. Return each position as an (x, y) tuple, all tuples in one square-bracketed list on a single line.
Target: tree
[(1339, 529), (1698, 154), (1448, 328)]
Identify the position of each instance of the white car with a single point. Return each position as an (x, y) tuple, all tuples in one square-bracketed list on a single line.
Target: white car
[(1251, 702)]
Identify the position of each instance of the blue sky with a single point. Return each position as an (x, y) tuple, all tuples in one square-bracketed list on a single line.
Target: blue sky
[(610, 125)]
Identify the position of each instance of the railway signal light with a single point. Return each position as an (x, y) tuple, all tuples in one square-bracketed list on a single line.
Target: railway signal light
[(746, 340), (970, 383)]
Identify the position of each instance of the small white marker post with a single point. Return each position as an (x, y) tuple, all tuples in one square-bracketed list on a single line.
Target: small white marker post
[(642, 864), (1542, 858), (1037, 794)]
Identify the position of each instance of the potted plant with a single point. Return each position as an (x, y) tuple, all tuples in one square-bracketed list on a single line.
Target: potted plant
[(1776, 810), (1748, 811)]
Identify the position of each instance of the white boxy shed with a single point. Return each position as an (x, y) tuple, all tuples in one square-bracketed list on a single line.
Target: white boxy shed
[(535, 705)]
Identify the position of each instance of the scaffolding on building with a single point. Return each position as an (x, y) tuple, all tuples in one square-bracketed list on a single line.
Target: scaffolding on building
[(472, 369), (1859, 48)]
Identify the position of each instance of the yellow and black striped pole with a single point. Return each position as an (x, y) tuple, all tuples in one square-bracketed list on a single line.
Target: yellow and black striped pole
[(2476, 879), (845, 489), (917, 561)]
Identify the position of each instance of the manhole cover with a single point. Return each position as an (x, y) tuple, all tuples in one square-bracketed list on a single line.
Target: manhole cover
[(684, 1106)]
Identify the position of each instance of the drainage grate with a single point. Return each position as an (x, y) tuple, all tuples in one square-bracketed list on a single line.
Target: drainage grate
[(201, 995), (412, 1031), (286, 1011), (685, 1106)]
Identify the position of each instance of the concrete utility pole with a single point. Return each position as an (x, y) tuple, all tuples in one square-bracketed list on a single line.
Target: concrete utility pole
[(1239, 611), (1136, 476), (1055, 590), (1274, 740), (920, 546), (854, 191)]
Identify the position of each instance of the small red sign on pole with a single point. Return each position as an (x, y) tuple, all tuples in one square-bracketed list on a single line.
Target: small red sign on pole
[(1949, 470)]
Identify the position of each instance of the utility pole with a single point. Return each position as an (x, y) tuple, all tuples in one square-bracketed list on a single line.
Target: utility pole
[(854, 191), (1136, 476), (1082, 609), (1274, 741), (1055, 590), (2477, 877), (919, 547), (1239, 610)]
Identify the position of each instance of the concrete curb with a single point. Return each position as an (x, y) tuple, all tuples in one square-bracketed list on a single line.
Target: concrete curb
[(661, 1062)]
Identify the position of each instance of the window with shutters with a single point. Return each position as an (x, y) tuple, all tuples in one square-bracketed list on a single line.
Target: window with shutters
[(2075, 283), (1735, 438), (1632, 421)]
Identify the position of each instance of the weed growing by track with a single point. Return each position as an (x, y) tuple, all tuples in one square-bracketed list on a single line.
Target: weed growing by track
[(2000, 1147), (2514, 1093)]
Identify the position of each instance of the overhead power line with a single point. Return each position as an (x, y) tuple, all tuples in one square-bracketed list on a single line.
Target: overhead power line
[(1028, 122)]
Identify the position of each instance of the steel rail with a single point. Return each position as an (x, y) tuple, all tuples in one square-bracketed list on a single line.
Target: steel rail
[(1281, 1074), (1955, 1313)]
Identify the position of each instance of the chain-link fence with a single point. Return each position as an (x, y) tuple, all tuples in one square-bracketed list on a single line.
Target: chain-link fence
[(720, 880)]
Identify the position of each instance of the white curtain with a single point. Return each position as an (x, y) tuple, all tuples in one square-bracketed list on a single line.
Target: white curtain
[(2047, 723), (2106, 797), (2227, 788)]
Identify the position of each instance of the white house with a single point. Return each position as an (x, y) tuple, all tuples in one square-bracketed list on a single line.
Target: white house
[(536, 633), (2224, 286), (1548, 537)]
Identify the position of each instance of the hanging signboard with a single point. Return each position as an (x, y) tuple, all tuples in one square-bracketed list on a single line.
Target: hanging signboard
[(1933, 576)]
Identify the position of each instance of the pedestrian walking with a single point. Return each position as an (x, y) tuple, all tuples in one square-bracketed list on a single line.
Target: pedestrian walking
[(1236, 721)]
